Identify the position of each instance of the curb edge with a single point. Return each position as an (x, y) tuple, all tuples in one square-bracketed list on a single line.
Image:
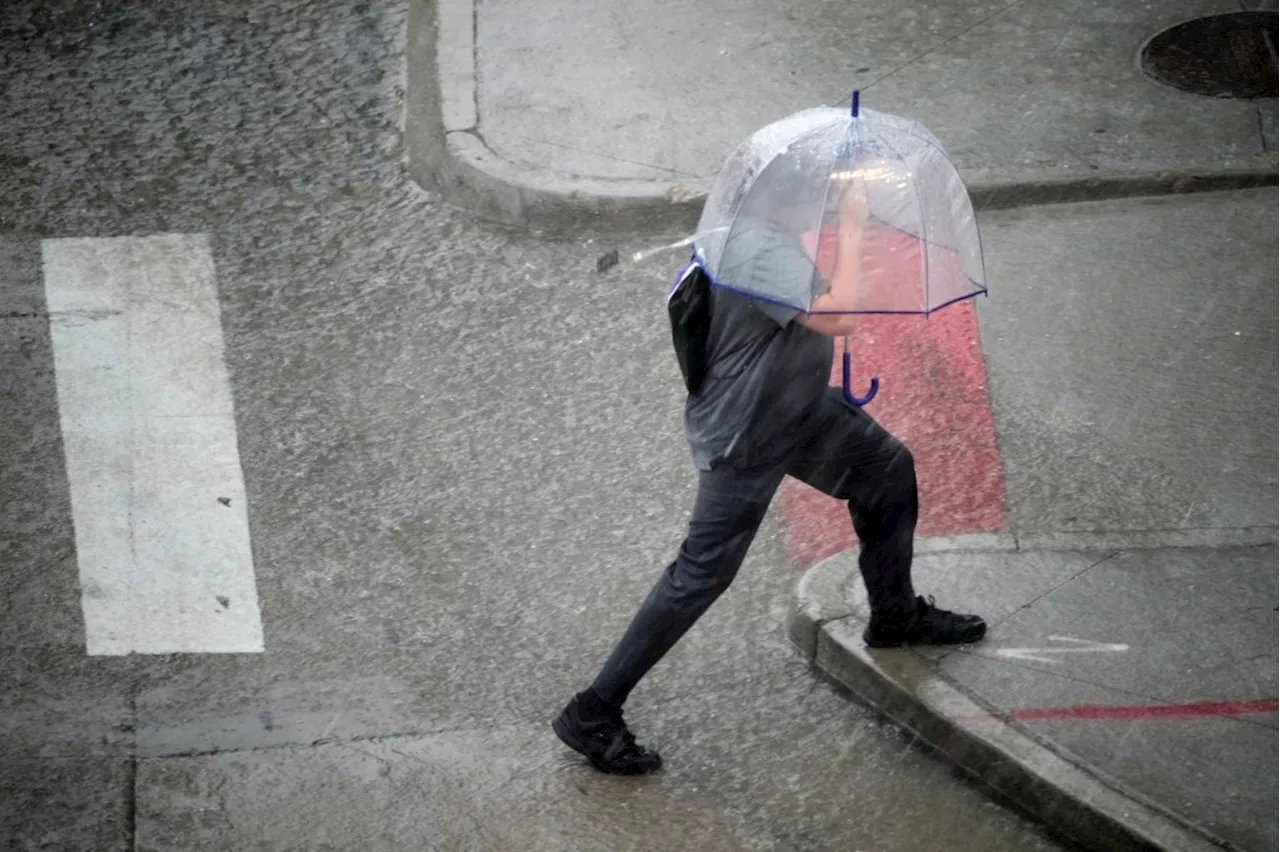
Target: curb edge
[(906, 689)]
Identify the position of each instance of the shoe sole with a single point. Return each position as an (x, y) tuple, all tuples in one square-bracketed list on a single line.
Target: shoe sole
[(977, 636), (568, 738)]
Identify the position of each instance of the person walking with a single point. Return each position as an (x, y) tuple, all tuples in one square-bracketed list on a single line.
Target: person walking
[(762, 411)]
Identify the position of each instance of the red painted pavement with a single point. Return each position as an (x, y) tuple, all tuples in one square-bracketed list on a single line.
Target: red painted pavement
[(1150, 711), (933, 396)]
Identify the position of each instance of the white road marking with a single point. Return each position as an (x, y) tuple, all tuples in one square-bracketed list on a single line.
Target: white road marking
[(1080, 646), (157, 492)]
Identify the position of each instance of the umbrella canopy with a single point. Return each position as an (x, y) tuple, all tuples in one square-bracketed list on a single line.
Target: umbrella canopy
[(772, 225), (834, 212)]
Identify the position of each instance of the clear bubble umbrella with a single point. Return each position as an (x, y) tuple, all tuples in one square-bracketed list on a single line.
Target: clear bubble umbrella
[(835, 212)]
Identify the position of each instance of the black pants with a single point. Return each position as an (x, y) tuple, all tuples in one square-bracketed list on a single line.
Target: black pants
[(841, 452)]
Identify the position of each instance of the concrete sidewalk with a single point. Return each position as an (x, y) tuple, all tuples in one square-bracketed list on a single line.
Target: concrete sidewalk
[(1126, 693), (1125, 697), (548, 113)]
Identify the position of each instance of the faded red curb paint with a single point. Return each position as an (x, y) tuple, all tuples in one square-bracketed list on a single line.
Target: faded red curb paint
[(1135, 711), (934, 397)]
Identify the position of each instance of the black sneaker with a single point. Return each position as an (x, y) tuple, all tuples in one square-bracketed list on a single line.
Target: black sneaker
[(928, 625), (604, 741)]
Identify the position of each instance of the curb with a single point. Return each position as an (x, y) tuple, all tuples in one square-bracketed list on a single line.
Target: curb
[(448, 153), (904, 687)]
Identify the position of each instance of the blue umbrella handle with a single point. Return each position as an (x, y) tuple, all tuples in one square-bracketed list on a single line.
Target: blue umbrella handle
[(848, 385)]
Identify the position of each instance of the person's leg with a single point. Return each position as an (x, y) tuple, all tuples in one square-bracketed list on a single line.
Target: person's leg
[(726, 514), (853, 458)]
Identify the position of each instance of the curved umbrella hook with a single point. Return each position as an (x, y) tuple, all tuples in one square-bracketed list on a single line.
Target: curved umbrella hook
[(859, 401)]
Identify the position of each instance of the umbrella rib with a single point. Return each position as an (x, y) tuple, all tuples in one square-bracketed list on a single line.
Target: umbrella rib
[(915, 190), (822, 215), (757, 163), (764, 165)]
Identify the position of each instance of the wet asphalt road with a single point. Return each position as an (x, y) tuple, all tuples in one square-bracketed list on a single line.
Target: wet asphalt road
[(464, 466)]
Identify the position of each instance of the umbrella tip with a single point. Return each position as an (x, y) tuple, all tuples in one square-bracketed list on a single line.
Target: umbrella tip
[(854, 109)]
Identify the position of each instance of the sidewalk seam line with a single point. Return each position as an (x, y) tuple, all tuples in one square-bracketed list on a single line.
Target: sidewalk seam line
[(1038, 598), (1023, 546), (330, 741), (475, 129), (944, 43), (475, 70), (675, 173), (528, 167)]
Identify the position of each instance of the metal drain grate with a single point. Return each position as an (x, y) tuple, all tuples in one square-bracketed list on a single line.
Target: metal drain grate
[(1222, 56)]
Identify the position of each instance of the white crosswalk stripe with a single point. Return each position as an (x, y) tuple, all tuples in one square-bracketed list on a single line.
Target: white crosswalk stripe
[(157, 492)]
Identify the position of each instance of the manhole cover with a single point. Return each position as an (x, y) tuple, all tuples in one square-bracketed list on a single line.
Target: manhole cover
[(1223, 56)]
